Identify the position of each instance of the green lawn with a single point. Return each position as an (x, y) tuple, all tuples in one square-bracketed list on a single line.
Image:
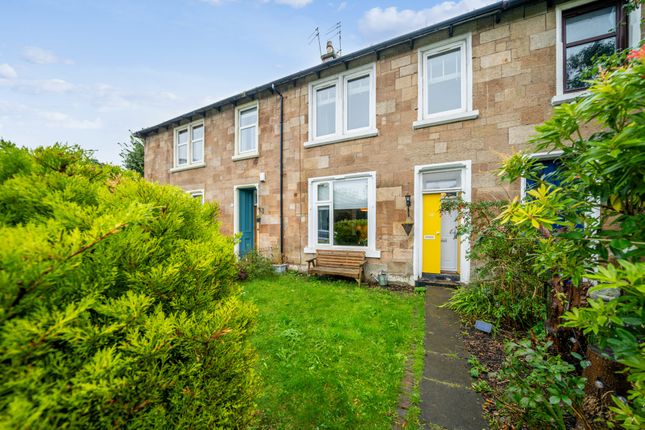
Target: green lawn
[(332, 355)]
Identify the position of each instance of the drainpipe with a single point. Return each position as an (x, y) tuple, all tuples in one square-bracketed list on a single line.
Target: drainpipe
[(274, 89)]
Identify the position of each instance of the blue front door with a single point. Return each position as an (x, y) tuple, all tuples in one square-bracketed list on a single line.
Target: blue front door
[(247, 220)]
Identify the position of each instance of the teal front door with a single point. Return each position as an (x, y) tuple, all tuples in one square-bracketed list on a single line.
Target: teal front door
[(246, 224)]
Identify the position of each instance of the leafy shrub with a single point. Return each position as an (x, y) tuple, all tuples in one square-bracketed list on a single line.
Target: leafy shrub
[(118, 302), (508, 289), (254, 266), (541, 388), (351, 232)]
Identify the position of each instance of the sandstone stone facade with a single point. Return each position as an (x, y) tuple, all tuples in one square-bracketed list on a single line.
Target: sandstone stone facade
[(514, 67)]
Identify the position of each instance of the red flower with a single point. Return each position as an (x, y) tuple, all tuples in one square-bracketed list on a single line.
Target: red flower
[(637, 54)]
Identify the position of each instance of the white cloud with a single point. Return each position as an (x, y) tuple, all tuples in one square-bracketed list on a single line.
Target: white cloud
[(39, 86), (63, 120), (7, 72), (390, 21), (341, 6), (294, 3), (37, 55), (22, 114)]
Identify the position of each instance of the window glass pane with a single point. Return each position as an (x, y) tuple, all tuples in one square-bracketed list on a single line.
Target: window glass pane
[(350, 212), (248, 117), (182, 154), (443, 78), (323, 224), (442, 180), (323, 192), (247, 139), (581, 57), (591, 24), (326, 111), (198, 151), (182, 137), (198, 132), (358, 103)]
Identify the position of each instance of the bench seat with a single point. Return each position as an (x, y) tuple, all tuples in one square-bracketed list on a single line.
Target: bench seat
[(342, 263)]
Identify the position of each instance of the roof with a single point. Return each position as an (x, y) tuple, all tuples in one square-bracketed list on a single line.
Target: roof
[(493, 9)]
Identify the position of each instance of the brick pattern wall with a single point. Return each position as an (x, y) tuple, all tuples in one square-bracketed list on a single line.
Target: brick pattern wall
[(513, 82)]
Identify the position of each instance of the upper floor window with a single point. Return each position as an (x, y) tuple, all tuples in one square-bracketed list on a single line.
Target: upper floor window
[(246, 130), (342, 107), (585, 30), (189, 144), (445, 82), (588, 32)]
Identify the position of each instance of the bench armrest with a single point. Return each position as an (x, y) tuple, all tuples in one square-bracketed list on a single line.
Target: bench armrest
[(311, 262)]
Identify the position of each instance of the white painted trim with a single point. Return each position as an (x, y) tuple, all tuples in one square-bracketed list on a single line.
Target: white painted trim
[(236, 215), (446, 119), (197, 192), (551, 155), (633, 39), (189, 150), (344, 138), (340, 81), (188, 167), (247, 154), (463, 42), (370, 249), (568, 97), (466, 188)]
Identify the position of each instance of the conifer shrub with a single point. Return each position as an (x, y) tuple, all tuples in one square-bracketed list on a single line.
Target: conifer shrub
[(119, 306)]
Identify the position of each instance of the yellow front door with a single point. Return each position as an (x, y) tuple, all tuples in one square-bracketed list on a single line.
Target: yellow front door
[(431, 249)]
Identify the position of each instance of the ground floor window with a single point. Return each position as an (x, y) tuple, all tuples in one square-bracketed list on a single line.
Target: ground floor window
[(342, 211)]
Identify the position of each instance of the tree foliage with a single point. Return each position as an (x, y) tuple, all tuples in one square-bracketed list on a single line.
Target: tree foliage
[(118, 301), (132, 154), (599, 209)]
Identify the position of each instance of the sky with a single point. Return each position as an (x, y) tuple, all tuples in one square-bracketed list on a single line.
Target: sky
[(88, 72)]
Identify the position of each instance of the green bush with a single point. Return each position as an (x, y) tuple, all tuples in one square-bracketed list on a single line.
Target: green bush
[(254, 266), (119, 306), (508, 289)]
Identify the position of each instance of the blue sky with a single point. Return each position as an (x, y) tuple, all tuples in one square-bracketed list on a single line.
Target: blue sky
[(87, 72)]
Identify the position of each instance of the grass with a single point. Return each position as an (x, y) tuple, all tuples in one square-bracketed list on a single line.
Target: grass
[(333, 355)]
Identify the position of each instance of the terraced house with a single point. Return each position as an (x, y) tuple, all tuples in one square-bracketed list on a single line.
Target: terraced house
[(331, 157)]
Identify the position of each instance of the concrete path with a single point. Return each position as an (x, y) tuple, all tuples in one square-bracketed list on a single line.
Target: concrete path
[(447, 401)]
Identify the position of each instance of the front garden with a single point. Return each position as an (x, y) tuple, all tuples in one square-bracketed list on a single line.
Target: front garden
[(333, 355)]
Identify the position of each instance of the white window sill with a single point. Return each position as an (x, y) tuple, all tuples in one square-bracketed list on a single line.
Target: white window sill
[(369, 253), (245, 156), (341, 138), (187, 167), (445, 119), (567, 97)]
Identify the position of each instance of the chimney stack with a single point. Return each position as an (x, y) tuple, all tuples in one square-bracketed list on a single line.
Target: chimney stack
[(330, 54)]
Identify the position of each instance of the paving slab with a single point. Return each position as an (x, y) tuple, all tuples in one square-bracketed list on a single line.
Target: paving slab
[(447, 401)]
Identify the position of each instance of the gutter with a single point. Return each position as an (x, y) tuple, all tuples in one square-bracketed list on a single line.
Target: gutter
[(275, 90), (494, 9)]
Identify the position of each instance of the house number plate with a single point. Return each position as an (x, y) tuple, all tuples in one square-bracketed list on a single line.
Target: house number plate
[(428, 237)]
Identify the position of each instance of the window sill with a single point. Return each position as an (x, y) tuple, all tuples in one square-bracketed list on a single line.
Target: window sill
[(369, 253), (239, 157), (567, 97), (341, 138), (188, 167), (446, 119)]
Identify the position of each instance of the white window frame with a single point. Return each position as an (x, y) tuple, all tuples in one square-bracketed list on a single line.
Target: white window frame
[(255, 152), (465, 112), (633, 40), (340, 82), (197, 193), (312, 241), (190, 164)]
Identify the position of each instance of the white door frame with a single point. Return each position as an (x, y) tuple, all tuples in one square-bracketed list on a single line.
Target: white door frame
[(236, 209), (466, 168)]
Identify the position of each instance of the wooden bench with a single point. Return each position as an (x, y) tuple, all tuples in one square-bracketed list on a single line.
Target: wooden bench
[(342, 263)]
